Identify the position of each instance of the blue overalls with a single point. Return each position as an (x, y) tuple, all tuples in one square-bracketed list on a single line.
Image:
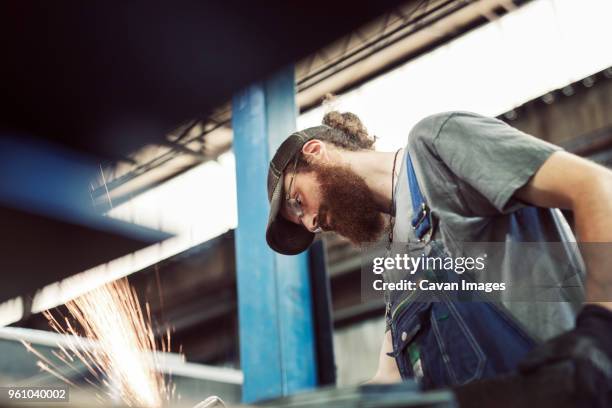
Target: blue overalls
[(441, 342)]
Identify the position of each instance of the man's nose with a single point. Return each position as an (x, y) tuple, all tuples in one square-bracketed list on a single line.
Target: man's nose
[(310, 221)]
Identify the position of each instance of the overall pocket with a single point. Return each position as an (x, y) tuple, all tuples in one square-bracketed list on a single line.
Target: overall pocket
[(460, 356), (433, 345), (407, 329)]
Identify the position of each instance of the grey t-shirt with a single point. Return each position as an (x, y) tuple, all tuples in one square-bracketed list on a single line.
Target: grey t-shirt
[(469, 167)]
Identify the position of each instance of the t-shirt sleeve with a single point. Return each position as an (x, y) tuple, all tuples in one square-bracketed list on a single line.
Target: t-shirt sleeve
[(492, 157)]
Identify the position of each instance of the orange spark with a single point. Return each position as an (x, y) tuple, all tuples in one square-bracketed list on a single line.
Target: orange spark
[(125, 357)]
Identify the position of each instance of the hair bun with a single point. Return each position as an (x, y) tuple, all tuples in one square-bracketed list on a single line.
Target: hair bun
[(351, 126)]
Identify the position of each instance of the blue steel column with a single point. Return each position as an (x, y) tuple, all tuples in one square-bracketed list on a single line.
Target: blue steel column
[(277, 348)]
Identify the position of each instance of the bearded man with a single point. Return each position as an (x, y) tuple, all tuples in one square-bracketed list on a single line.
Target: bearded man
[(461, 178)]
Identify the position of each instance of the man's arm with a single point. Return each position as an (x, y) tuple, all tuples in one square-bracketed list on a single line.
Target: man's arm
[(571, 182), (387, 367), (568, 181)]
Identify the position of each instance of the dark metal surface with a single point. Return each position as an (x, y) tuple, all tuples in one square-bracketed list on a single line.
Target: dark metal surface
[(110, 77), (50, 229), (405, 395), (550, 387), (38, 250)]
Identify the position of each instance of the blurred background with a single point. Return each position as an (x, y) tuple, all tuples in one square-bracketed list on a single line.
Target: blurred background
[(118, 148)]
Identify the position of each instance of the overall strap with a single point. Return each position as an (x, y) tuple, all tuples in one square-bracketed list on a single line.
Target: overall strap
[(421, 223)]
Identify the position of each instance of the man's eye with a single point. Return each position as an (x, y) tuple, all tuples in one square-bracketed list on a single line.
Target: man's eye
[(298, 199)]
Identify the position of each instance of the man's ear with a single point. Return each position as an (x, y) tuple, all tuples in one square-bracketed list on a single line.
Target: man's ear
[(315, 151)]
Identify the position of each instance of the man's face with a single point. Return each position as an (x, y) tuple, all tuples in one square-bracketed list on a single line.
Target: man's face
[(336, 199)]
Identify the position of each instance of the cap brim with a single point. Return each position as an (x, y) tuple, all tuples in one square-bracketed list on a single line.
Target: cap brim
[(282, 235)]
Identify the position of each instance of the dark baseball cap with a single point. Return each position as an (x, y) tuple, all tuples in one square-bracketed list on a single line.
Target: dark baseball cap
[(282, 235)]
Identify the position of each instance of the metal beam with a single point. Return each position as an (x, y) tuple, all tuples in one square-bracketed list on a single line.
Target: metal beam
[(46, 215), (575, 116), (426, 30), (277, 347)]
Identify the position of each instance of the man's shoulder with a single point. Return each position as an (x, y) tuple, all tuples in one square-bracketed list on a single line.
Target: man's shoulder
[(437, 121), (427, 130)]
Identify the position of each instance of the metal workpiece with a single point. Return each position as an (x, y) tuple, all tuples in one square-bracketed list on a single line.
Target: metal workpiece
[(211, 402), (405, 394), (553, 386)]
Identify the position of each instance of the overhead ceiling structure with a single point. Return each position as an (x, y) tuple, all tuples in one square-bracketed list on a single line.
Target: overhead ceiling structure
[(109, 78), (401, 34), (91, 83), (404, 31), (191, 144), (587, 102)]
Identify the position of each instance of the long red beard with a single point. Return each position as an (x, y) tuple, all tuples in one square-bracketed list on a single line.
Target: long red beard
[(348, 203)]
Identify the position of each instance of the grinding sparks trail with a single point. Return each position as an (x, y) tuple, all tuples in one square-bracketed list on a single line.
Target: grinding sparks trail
[(125, 357)]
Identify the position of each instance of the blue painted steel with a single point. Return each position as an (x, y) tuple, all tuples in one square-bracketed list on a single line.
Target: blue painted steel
[(277, 346), (54, 182)]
